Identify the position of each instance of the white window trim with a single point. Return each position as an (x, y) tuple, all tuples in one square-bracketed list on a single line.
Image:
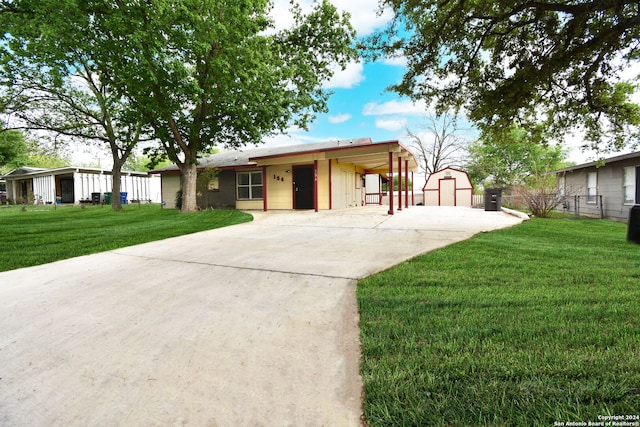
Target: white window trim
[(250, 186), (592, 198), (633, 185)]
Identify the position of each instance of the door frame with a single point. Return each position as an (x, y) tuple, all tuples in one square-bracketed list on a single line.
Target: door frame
[(311, 184)]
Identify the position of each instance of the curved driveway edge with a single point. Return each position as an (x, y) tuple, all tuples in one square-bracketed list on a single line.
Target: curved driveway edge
[(254, 324)]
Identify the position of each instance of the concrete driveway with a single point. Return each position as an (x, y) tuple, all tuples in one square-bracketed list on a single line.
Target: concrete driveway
[(254, 324)]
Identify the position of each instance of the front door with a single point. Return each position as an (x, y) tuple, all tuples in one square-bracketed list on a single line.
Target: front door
[(303, 187), (66, 190)]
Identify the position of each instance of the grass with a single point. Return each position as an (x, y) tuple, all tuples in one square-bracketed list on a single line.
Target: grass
[(42, 234), (531, 325)]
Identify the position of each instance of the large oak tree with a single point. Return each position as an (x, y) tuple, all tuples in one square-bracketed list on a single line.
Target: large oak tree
[(51, 80), (204, 73), (556, 62)]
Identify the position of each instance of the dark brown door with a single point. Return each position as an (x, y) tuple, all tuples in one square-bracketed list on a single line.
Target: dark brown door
[(637, 184), (303, 187), (66, 190)]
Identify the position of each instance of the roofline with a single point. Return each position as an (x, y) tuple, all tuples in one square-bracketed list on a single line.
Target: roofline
[(314, 150), (253, 159), (595, 163), (324, 150), (58, 171), (453, 169)]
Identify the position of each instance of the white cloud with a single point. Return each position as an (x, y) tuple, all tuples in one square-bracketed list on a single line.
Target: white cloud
[(339, 118), (364, 14), (398, 61), (392, 125), (347, 78), (395, 107)]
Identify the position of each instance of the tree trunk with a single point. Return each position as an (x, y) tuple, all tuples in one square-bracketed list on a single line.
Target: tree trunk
[(116, 174), (189, 178)]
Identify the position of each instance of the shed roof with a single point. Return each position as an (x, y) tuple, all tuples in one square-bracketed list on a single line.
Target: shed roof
[(437, 173)]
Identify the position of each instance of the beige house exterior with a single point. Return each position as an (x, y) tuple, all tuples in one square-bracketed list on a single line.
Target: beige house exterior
[(328, 175), (448, 187)]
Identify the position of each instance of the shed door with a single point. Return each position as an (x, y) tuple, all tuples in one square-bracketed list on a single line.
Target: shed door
[(303, 187), (447, 192)]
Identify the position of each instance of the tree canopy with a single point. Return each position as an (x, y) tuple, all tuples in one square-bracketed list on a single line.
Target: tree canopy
[(215, 72), (517, 61), (13, 148), (52, 83), (440, 146), (509, 158), (202, 73), (17, 150)]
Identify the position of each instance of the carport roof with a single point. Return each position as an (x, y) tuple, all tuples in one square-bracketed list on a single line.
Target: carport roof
[(373, 156)]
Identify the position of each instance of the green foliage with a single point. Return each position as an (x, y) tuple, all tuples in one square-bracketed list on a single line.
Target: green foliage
[(144, 163), (511, 157), (43, 234), (509, 328), (385, 185), (44, 159), (16, 151), (49, 56), (13, 149), (211, 72), (518, 61)]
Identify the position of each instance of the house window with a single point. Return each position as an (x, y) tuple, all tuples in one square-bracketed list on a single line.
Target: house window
[(592, 186), (213, 184), (629, 185), (249, 185)]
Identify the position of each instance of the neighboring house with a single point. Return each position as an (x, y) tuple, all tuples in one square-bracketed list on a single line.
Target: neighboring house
[(76, 185), (3, 191), (448, 187), (327, 175), (607, 191)]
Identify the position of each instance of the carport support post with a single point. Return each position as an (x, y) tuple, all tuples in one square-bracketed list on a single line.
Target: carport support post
[(399, 183), (406, 184), (315, 186), (413, 196), (390, 184)]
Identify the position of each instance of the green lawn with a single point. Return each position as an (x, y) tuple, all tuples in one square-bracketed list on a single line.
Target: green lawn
[(42, 234), (527, 326)]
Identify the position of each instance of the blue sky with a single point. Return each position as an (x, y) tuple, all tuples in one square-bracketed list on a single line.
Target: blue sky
[(360, 105)]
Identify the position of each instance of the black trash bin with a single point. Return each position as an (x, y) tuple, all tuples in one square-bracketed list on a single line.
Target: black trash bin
[(493, 199), (95, 198), (633, 231)]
